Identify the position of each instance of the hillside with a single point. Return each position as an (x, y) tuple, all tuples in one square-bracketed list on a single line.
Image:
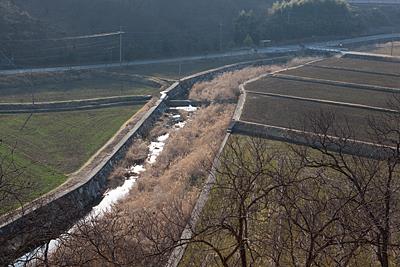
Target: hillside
[(153, 28), (157, 28), (17, 23)]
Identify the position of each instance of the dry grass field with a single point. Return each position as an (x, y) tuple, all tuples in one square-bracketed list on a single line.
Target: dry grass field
[(346, 76), (384, 49), (293, 113), (390, 68), (322, 91)]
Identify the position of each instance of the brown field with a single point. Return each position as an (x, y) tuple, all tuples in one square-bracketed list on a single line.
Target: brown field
[(292, 113), (346, 76), (384, 49), (390, 68), (322, 91)]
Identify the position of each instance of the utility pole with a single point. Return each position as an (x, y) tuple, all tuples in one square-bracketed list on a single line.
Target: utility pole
[(120, 44), (220, 36), (391, 49), (180, 70)]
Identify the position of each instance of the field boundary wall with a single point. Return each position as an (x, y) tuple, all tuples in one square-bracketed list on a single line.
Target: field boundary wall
[(55, 106)]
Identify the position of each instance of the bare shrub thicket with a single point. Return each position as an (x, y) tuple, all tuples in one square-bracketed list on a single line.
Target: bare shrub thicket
[(226, 86), (142, 230), (180, 167), (137, 153)]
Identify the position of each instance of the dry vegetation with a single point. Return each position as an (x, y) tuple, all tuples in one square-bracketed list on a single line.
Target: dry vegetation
[(389, 68), (143, 229), (313, 90), (145, 226), (140, 233), (290, 113), (136, 154), (385, 49), (346, 76), (226, 86)]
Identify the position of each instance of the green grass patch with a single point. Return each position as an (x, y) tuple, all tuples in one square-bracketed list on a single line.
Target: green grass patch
[(63, 140), (26, 178)]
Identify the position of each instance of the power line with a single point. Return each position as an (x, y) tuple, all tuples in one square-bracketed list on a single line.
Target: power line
[(90, 36)]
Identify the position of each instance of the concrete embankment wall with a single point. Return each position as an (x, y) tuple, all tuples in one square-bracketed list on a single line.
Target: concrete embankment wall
[(350, 147), (56, 106), (50, 215), (368, 56)]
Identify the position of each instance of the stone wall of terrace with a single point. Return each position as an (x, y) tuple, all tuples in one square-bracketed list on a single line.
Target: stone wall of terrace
[(56, 106)]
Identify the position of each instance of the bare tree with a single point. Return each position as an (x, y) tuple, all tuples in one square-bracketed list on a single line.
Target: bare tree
[(372, 183), (241, 202), (12, 187)]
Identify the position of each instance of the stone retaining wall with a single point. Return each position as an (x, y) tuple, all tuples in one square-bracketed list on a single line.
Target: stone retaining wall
[(368, 56), (73, 104), (50, 215), (350, 147)]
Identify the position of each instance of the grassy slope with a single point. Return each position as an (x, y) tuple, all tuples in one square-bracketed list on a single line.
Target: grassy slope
[(37, 179), (63, 140)]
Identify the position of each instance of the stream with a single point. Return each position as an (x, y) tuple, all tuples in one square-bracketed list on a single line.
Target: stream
[(112, 196)]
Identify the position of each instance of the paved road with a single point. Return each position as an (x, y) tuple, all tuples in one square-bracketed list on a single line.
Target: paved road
[(329, 46), (375, 2)]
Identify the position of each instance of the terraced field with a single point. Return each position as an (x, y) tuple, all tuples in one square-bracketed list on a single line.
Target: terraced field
[(291, 113), (389, 68), (322, 91), (290, 103), (346, 76)]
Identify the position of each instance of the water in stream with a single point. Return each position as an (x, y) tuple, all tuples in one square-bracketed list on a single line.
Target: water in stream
[(111, 197)]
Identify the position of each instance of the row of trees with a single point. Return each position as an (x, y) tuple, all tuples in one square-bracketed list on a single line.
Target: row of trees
[(299, 19)]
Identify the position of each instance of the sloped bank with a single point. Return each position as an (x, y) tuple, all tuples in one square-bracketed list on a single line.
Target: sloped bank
[(84, 104), (47, 217)]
